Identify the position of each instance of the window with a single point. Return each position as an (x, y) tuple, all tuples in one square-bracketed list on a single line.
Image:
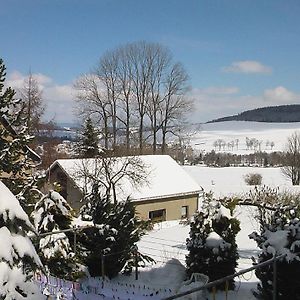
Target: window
[(184, 211), (157, 215)]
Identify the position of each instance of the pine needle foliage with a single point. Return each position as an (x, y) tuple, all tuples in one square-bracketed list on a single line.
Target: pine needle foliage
[(212, 242), (114, 233)]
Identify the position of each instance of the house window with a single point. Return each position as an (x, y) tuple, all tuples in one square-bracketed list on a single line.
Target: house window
[(184, 211), (157, 215)]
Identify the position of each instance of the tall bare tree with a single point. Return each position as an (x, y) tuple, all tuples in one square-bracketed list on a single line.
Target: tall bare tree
[(175, 104), (31, 94), (291, 168), (137, 83), (93, 102), (125, 115), (107, 72)]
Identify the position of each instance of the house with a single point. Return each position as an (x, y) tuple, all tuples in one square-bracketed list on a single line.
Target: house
[(168, 192)]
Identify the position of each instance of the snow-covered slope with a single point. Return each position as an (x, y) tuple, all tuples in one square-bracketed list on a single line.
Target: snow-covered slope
[(230, 180), (233, 130)]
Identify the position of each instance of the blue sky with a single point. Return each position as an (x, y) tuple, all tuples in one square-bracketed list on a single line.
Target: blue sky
[(239, 54)]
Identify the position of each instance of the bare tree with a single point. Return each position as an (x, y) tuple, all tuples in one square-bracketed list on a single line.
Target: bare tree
[(125, 104), (93, 102), (174, 105), (291, 168), (107, 72), (137, 83), (34, 107), (115, 175)]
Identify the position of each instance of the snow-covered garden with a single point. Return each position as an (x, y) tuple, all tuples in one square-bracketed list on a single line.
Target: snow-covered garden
[(166, 243), (107, 252)]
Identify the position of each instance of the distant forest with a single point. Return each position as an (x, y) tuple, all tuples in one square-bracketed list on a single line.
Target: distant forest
[(278, 114)]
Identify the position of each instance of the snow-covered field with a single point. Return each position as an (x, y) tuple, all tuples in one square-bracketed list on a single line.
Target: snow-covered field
[(240, 130), (167, 240)]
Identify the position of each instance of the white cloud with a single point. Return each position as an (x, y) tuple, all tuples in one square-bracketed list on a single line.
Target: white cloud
[(213, 90), (248, 67), (59, 99), (280, 95), (209, 105)]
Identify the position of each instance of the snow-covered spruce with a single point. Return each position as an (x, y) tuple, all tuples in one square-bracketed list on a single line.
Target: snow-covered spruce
[(280, 236), (212, 242), (15, 155), (114, 233), (51, 214), (18, 259), (87, 146)]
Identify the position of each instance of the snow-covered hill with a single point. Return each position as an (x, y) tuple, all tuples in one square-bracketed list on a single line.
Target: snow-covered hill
[(266, 133)]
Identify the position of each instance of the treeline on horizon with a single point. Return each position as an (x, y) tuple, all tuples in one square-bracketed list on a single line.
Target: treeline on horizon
[(273, 114)]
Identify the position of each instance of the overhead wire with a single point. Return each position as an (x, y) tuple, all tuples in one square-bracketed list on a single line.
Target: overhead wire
[(162, 250), (156, 238)]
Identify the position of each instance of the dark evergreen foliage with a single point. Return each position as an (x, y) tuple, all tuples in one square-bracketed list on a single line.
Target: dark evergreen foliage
[(285, 224), (87, 146), (214, 261), (280, 113), (114, 234), (15, 155)]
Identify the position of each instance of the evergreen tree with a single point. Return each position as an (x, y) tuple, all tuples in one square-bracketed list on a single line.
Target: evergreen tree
[(87, 146), (114, 234), (280, 236), (211, 244), (18, 258), (51, 214), (15, 158)]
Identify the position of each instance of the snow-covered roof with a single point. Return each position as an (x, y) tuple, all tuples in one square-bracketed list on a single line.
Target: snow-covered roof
[(165, 178)]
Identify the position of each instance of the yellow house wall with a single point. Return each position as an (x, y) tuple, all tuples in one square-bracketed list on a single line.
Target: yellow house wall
[(171, 205), (74, 194)]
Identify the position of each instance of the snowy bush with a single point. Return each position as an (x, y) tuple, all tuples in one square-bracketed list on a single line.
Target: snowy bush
[(211, 243), (253, 179), (280, 236), (18, 258), (51, 214), (114, 234)]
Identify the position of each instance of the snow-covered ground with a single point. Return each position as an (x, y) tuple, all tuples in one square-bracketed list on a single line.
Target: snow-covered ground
[(240, 130), (230, 180), (166, 242)]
